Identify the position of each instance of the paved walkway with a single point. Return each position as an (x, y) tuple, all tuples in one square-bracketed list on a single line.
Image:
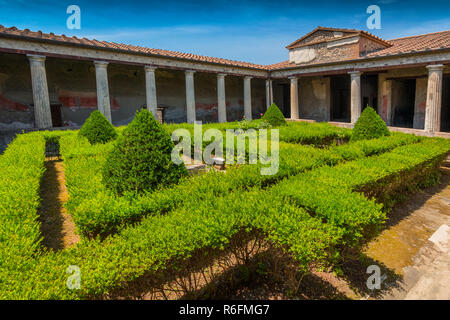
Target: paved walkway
[(416, 245)]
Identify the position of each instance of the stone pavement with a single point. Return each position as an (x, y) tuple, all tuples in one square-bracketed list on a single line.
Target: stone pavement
[(417, 246)]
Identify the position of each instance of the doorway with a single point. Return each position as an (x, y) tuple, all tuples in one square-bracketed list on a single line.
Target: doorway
[(340, 98), (285, 101), (369, 91), (403, 99), (56, 115)]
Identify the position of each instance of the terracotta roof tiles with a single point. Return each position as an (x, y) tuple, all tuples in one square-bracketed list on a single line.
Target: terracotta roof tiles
[(419, 43)]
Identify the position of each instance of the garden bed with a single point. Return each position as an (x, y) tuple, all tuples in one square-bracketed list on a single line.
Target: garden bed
[(311, 212)]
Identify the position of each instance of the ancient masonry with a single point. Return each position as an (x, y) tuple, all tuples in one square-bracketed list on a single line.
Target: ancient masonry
[(49, 80)]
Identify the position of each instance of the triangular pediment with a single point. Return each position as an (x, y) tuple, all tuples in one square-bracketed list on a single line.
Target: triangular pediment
[(321, 34)]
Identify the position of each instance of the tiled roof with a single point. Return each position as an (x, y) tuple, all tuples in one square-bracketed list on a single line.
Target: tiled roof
[(13, 31), (419, 43), (296, 43), (281, 65)]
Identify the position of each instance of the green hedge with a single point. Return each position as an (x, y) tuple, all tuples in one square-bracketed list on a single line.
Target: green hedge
[(158, 242), (97, 211), (369, 126), (21, 167), (274, 116), (317, 134), (327, 191), (97, 129), (141, 158)]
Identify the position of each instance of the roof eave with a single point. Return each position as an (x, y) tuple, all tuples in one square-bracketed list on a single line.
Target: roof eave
[(34, 39), (362, 59)]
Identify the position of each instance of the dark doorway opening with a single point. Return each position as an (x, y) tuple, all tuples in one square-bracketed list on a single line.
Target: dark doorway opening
[(56, 115), (286, 100), (340, 98), (403, 98), (445, 110), (369, 91)]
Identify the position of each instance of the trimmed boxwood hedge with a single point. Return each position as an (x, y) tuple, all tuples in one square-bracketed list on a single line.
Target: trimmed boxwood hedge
[(97, 129), (317, 134), (295, 206), (369, 126), (141, 158), (161, 242), (274, 116), (95, 210)]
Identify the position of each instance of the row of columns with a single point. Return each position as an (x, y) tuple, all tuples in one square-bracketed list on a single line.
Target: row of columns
[(433, 102), (355, 104), (42, 102), (43, 114)]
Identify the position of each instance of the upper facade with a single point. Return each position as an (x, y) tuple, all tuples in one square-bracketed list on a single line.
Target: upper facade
[(324, 45)]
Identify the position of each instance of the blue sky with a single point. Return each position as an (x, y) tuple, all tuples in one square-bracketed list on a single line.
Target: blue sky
[(253, 31)]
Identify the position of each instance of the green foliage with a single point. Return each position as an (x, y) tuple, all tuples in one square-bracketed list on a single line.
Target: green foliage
[(97, 129), (95, 210), (21, 167), (369, 126), (141, 159), (317, 134), (319, 202), (274, 116)]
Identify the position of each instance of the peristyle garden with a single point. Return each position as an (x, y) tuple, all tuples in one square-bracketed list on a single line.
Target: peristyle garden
[(149, 229)]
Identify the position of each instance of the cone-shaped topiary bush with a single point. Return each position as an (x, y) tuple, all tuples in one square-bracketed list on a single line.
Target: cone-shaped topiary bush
[(274, 116), (369, 126), (97, 129), (141, 158)]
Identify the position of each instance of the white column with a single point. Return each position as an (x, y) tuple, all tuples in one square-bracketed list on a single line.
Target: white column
[(103, 101), (434, 98), (150, 91), (248, 98), (190, 96), (294, 98), (355, 93), (269, 93), (42, 112), (221, 100)]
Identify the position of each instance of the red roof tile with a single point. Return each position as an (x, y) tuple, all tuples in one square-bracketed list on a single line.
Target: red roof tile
[(419, 43), (13, 31), (423, 42)]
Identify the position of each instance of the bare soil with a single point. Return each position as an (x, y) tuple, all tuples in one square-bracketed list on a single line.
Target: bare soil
[(57, 226)]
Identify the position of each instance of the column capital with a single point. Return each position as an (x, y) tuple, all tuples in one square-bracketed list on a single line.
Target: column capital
[(293, 78), (101, 64), (355, 73), (248, 78), (435, 67), (36, 57), (150, 68), (190, 72), (221, 74)]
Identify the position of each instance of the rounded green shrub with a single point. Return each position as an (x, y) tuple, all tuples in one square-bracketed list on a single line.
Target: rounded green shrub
[(274, 116), (141, 158), (97, 129), (369, 126)]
